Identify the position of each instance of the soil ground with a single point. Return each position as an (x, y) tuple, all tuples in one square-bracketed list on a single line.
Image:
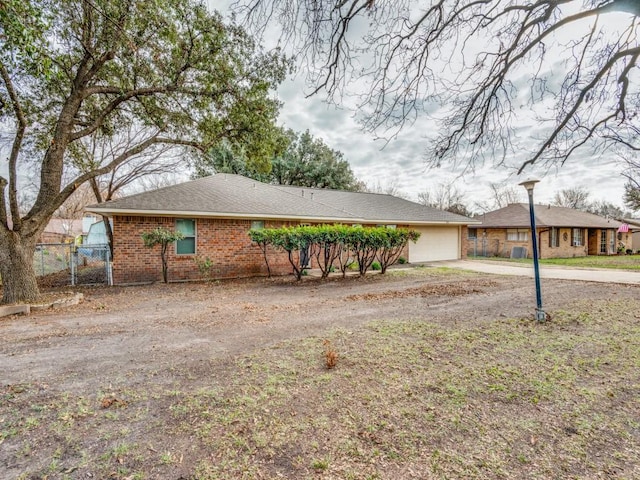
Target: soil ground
[(99, 390)]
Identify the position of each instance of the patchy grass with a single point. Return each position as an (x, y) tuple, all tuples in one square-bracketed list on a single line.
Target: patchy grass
[(620, 262), (408, 399), (429, 271)]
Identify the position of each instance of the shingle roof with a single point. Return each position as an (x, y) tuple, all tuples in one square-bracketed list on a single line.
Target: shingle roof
[(516, 215), (226, 195), (377, 207)]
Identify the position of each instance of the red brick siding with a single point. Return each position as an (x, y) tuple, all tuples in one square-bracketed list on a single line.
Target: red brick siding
[(464, 241), (225, 242)]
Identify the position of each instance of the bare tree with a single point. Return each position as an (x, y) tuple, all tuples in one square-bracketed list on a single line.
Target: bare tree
[(608, 210), (445, 196), (577, 198), (96, 151), (492, 66), (389, 187), (501, 196), (73, 207)]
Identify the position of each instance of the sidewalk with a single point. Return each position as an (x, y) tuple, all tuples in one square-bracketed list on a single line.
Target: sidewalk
[(601, 275)]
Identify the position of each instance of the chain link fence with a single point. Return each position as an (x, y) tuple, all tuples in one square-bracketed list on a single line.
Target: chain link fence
[(59, 264), (477, 247)]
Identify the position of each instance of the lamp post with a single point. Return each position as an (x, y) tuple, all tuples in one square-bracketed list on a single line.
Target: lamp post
[(529, 184)]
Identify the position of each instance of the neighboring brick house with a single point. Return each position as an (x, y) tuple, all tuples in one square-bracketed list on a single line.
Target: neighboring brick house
[(215, 213), (562, 232), (634, 228)]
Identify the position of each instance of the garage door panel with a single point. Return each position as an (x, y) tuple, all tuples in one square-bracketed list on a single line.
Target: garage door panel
[(435, 243)]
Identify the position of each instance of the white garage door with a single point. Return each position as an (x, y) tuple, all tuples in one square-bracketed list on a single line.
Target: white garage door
[(435, 243)]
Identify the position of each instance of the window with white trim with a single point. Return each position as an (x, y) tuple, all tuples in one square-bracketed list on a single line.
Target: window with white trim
[(577, 237), (257, 225), (186, 246), (517, 235)]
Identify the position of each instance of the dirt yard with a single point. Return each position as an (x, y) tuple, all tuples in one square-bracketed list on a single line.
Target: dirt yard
[(227, 380)]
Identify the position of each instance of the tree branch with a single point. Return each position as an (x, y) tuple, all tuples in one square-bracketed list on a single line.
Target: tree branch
[(15, 150)]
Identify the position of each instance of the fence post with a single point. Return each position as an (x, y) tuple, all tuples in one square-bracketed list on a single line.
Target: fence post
[(74, 265), (107, 265)]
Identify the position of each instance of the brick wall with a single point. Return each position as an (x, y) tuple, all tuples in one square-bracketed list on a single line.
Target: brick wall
[(225, 242), (498, 245), (464, 241)]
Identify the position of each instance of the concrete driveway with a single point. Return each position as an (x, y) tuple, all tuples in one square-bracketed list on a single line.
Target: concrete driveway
[(563, 273)]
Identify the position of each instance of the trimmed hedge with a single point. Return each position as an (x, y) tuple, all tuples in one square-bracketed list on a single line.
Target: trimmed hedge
[(331, 244)]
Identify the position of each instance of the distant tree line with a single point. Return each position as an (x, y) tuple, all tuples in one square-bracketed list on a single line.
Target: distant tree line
[(578, 199)]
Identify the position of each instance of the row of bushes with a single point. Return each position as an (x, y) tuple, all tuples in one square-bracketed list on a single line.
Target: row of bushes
[(335, 246)]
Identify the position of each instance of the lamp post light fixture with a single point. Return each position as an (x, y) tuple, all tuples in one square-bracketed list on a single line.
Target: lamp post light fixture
[(528, 185)]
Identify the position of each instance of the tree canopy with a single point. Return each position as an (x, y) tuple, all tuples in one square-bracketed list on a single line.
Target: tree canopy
[(75, 69), (303, 161), (488, 71)]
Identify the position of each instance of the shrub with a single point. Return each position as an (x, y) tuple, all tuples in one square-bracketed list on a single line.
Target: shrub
[(350, 247), (402, 260), (376, 266), (205, 267)]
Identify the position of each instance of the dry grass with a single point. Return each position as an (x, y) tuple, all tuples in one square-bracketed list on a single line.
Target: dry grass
[(409, 399)]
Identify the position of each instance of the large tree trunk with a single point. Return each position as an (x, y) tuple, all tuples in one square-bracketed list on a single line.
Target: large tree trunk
[(16, 269)]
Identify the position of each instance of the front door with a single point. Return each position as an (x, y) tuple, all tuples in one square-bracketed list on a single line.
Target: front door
[(603, 242), (593, 246)]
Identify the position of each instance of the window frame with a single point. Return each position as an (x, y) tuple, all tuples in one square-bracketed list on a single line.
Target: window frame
[(577, 237), (521, 234), (187, 237), (257, 224)]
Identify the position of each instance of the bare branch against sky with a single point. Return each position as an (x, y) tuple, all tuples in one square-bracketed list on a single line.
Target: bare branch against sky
[(507, 83)]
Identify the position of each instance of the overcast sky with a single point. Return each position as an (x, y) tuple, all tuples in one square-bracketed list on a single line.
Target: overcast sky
[(402, 160)]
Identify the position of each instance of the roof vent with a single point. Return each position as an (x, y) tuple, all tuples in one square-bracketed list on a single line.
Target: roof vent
[(311, 195), (302, 192)]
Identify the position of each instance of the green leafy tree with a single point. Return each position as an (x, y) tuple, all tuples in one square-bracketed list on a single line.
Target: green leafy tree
[(75, 69), (303, 161), (392, 243), (309, 162), (163, 237), (291, 240), (263, 238)]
